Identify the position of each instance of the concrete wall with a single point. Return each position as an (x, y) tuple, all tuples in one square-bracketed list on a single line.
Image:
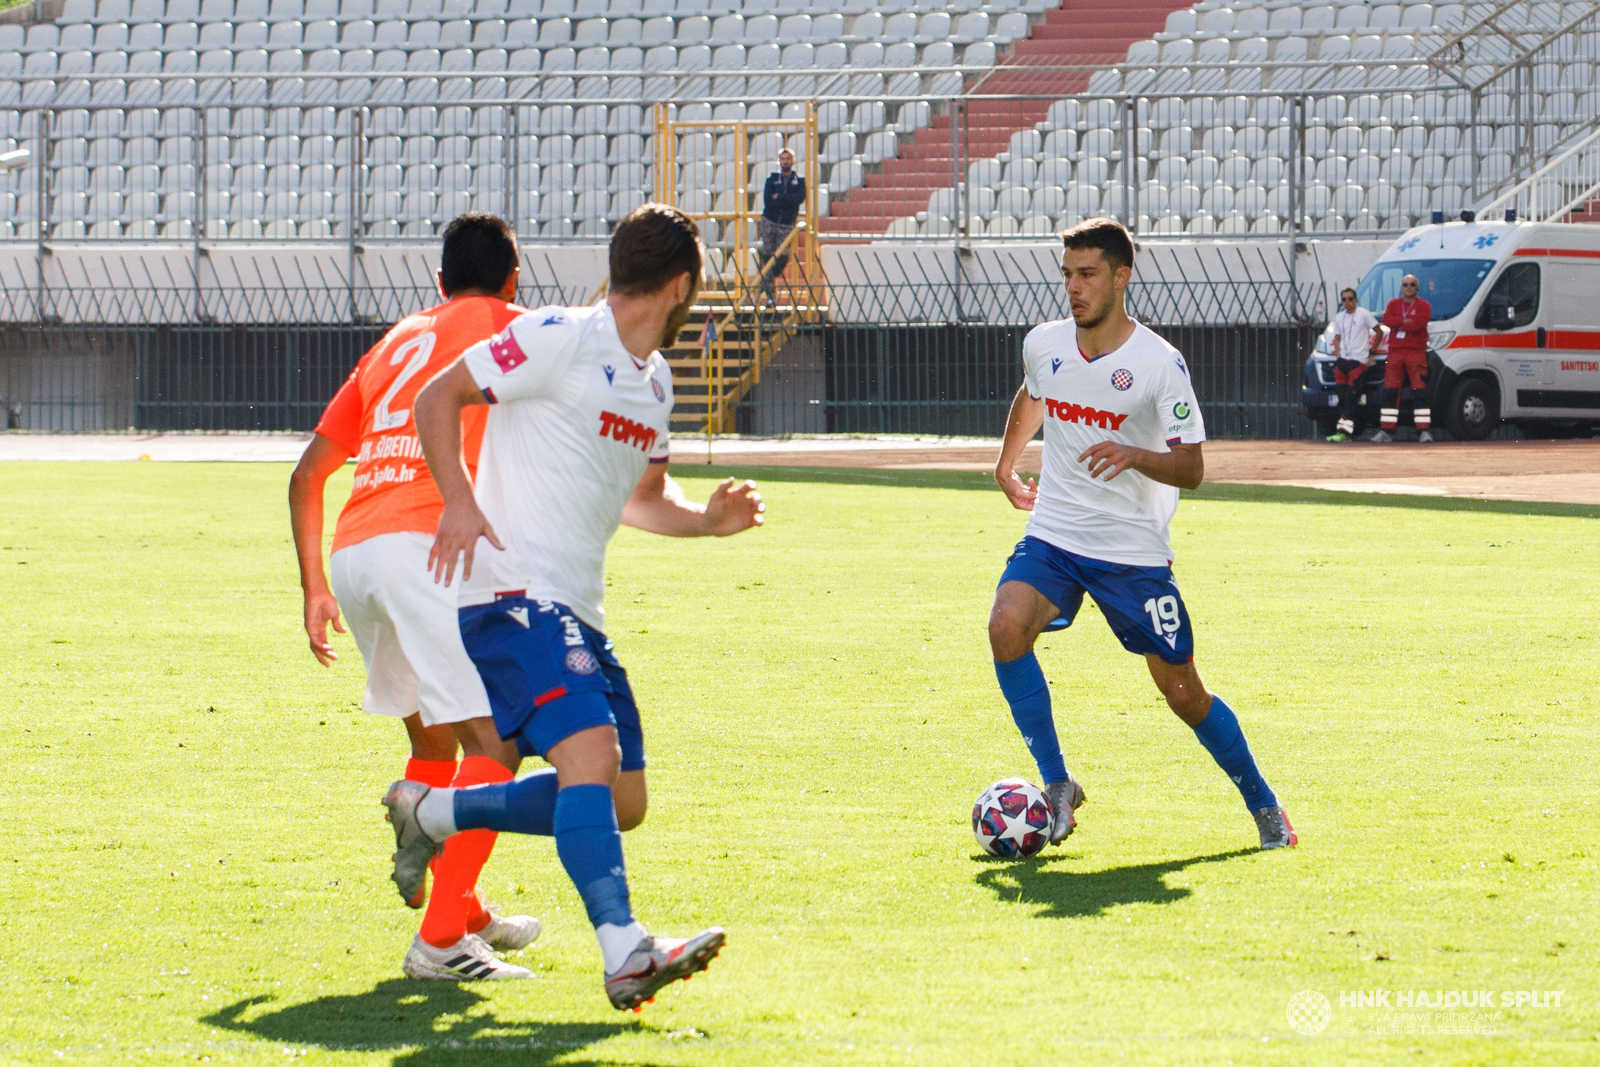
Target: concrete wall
[(304, 282), (793, 394)]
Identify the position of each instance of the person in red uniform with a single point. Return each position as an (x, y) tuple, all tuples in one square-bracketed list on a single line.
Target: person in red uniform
[(1407, 317)]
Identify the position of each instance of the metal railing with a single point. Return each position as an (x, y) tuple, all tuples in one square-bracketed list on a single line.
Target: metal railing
[(519, 146), (820, 373), (1557, 189)]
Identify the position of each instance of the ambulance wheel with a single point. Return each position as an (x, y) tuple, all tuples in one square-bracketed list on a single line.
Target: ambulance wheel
[(1327, 422), (1473, 411)]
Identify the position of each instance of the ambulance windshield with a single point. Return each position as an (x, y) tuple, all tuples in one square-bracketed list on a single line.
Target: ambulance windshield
[(1446, 284)]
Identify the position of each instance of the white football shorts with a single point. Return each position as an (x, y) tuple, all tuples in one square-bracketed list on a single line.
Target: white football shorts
[(405, 625)]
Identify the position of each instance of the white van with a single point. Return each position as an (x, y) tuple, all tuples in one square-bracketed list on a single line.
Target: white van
[(1515, 334)]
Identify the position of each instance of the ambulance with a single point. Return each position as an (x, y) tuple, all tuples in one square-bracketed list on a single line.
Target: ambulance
[(1515, 335)]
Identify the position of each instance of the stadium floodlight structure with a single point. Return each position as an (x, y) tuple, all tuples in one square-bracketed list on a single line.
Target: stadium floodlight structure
[(1497, 52)]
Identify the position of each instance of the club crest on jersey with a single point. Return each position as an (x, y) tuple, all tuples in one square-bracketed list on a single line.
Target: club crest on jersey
[(1121, 381), (661, 394), (508, 355), (1055, 365), (611, 372), (581, 661)]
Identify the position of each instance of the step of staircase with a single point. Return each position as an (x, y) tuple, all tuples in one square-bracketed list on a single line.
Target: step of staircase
[(1078, 33)]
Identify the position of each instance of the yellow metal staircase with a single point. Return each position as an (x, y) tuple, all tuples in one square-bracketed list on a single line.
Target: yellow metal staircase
[(714, 369), (738, 324)]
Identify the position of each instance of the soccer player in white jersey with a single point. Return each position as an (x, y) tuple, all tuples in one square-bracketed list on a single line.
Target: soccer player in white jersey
[(1122, 434), (576, 443)]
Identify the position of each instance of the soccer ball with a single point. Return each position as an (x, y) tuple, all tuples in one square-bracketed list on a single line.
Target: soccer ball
[(1012, 818)]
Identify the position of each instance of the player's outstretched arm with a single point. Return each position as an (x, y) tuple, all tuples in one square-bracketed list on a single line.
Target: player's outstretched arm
[(438, 417), (659, 506), (321, 458), (1183, 466), (1023, 421)]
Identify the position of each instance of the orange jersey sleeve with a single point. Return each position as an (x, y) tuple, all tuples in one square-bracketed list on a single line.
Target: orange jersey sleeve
[(341, 422), (394, 491)]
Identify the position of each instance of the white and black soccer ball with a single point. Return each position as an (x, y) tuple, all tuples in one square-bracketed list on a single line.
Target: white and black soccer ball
[(1012, 818)]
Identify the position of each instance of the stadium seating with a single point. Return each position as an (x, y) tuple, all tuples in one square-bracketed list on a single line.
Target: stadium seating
[(1384, 149), (117, 152), (283, 159)]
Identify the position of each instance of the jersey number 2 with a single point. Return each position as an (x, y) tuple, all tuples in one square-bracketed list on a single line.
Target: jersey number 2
[(1163, 614), (414, 354)]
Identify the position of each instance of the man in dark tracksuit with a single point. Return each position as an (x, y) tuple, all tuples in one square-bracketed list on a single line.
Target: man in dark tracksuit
[(780, 204)]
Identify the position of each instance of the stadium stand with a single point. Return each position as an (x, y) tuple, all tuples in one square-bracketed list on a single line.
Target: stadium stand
[(280, 119), (1080, 33), (1386, 144)]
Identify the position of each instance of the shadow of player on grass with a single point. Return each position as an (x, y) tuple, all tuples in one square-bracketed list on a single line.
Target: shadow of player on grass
[(1069, 894), (444, 1023)]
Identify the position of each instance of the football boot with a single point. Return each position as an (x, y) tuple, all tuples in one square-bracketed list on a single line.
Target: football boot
[(413, 849), (468, 960), (507, 933), (1276, 830), (1065, 798), (659, 961)]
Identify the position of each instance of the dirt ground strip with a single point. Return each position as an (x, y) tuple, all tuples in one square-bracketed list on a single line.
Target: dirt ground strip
[(1554, 471), (1564, 472)]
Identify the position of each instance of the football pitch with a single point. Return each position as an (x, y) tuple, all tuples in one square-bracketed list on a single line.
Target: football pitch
[(197, 862)]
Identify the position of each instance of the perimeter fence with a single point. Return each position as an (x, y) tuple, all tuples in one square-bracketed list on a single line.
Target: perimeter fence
[(955, 374), (890, 358)]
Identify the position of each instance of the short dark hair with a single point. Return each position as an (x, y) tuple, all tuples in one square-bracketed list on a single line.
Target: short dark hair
[(652, 245), (480, 252), (1345, 290), (1107, 235)]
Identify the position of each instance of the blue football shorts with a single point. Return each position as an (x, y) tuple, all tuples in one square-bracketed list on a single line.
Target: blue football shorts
[(1142, 604), (549, 675)]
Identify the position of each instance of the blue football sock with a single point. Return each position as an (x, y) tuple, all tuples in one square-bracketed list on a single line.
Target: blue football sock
[(1023, 685), (590, 847), (1219, 731), (526, 805)]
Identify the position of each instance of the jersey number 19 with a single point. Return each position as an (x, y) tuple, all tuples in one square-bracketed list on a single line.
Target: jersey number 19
[(1163, 614)]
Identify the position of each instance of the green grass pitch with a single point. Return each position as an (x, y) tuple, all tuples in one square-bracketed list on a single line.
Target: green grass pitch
[(195, 865)]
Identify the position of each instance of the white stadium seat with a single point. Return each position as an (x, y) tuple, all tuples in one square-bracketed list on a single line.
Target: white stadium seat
[(1380, 153)]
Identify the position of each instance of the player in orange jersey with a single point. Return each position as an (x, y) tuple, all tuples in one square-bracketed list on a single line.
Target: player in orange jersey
[(405, 624)]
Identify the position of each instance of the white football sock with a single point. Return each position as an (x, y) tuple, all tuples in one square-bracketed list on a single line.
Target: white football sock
[(618, 942), (436, 814)]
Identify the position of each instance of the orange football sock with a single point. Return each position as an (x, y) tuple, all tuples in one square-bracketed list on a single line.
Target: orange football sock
[(480, 917), (437, 773), (455, 898)]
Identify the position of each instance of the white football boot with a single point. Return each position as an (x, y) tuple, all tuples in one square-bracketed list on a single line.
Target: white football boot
[(659, 961), (468, 960), (507, 933)]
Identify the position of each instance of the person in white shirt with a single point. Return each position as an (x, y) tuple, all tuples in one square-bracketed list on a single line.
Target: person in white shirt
[(576, 444), (1122, 434), (1352, 335)]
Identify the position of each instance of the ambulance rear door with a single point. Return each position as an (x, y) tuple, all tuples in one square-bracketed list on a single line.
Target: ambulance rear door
[(1570, 384)]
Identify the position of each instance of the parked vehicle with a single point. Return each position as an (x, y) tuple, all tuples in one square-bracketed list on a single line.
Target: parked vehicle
[(1515, 335)]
